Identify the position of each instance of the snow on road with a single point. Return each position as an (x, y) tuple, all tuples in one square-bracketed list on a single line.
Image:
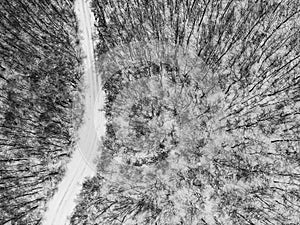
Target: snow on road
[(81, 164)]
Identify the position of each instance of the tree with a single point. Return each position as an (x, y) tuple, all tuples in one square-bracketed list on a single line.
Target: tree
[(39, 81), (203, 109)]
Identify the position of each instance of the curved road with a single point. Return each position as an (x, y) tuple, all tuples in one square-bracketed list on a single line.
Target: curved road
[(81, 164)]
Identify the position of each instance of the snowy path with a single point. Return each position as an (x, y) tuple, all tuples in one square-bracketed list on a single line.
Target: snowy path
[(81, 164)]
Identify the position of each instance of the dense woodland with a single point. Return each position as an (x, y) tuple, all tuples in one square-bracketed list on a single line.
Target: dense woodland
[(203, 110), (39, 85)]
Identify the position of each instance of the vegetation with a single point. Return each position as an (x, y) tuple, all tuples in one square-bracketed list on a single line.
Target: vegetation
[(39, 85), (203, 114)]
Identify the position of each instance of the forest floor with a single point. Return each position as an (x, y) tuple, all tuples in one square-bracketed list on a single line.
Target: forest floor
[(82, 163)]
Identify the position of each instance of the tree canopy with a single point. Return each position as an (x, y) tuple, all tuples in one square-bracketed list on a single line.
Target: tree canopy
[(203, 114), (39, 85)]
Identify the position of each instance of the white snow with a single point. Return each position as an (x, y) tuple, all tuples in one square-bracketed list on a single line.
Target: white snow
[(81, 164)]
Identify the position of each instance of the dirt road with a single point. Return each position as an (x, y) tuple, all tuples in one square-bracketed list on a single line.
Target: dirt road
[(81, 165)]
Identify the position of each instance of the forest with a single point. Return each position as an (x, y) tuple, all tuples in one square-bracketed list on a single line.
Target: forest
[(40, 107), (203, 111)]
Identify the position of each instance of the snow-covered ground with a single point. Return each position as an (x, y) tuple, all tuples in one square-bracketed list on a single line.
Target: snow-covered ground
[(81, 164)]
